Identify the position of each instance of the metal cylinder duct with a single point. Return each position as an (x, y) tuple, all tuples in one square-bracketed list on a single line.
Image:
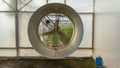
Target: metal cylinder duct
[(40, 44)]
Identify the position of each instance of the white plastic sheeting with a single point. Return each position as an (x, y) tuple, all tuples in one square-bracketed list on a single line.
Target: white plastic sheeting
[(8, 53), (81, 5), (30, 5), (7, 25), (87, 36), (77, 53), (82, 53), (7, 30), (23, 29), (55, 1), (107, 32), (29, 52), (7, 5)]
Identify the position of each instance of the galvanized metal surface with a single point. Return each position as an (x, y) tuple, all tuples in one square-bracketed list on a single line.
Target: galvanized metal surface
[(37, 43)]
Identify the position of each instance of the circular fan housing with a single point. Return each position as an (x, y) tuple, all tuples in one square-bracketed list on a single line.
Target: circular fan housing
[(55, 30)]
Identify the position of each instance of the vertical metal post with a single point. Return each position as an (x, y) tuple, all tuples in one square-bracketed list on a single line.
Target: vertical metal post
[(93, 27), (47, 1), (64, 1), (17, 28)]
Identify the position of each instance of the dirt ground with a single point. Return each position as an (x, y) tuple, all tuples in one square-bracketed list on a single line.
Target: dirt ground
[(47, 63)]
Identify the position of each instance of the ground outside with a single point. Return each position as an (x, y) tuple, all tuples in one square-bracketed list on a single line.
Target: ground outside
[(47, 63)]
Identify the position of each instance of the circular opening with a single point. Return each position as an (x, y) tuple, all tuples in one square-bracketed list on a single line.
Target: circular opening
[(55, 30)]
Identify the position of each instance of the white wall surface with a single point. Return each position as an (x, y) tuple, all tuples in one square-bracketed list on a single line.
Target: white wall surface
[(107, 32)]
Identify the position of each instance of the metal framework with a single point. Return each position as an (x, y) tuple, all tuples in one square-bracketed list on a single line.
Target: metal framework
[(16, 11)]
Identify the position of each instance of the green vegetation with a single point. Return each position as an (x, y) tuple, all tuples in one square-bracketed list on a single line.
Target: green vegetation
[(68, 30), (53, 38)]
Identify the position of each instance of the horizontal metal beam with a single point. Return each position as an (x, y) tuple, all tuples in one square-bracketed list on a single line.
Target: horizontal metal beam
[(7, 47), (34, 11), (26, 48), (39, 57), (18, 11), (85, 12), (33, 48), (85, 48)]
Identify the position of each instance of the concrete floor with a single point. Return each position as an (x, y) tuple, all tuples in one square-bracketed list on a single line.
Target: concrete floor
[(47, 63)]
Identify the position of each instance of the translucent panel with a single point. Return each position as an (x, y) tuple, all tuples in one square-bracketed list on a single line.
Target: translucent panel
[(87, 25), (8, 52), (77, 53), (23, 29), (7, 5), (107, 6), (7, 30), (55, 1), (107, 32), (30, 5), (81, 5), (82, 53), (28, 52), (107, 37)]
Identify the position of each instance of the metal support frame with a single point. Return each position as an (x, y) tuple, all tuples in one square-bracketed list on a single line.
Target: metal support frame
[(93, 27), (25, 4), (17, 28), (47, 1), (64, 1), (17, 11), (8, 4)]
